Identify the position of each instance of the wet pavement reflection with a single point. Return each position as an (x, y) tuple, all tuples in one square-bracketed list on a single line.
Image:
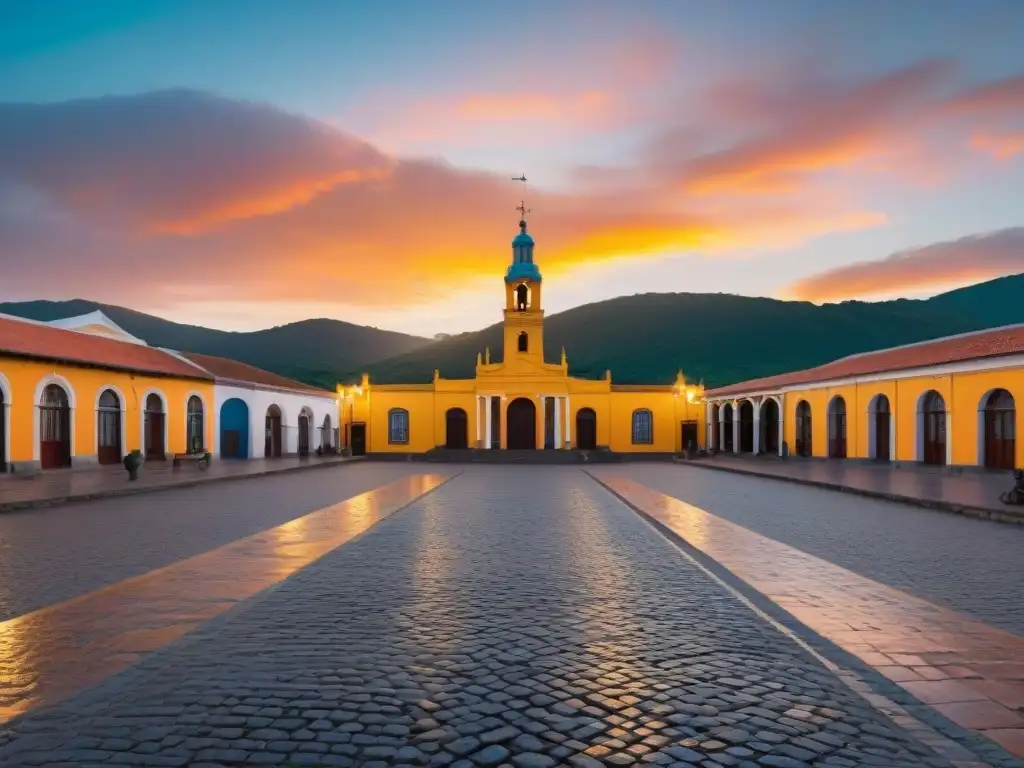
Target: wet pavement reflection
[(54, 652), (970, 672)]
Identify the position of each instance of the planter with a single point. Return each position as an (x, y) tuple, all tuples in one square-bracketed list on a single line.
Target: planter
[(132, 462)]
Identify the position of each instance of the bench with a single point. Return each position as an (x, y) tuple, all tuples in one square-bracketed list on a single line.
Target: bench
[(199, 459)]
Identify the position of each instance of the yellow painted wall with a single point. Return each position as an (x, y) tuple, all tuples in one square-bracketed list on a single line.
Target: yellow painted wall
[(963, 394), (87, 383), (428, 405), (419, 404)]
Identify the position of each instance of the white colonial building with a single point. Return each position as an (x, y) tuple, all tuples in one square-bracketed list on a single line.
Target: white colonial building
[(262, 415)]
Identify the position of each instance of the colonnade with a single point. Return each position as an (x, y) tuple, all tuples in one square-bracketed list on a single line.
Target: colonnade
[(719, 430)]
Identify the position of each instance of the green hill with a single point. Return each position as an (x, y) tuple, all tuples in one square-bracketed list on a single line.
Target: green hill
[(311, 350), (720, 338)]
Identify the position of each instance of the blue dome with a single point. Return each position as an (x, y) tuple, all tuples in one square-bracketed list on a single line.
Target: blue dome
[(522, 271), (522, 239)]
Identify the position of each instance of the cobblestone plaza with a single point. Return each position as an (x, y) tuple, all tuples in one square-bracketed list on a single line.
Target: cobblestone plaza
[(525, 616)]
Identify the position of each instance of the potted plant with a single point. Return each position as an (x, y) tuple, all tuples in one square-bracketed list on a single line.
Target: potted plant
[(132, 462), (207, 457)]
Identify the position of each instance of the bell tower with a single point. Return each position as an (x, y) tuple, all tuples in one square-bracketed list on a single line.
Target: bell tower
[(524, 317)]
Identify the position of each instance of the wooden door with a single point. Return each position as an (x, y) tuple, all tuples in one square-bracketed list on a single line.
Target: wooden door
[(522, 425), (935, 437), (803, 429), (303, 435), (357, 433), (586, 429), (155, 448), (882, 436), (108, 436), (1000, 442), (272, 444), (456, 429), (689, 434), (54, 436), (837, 442)]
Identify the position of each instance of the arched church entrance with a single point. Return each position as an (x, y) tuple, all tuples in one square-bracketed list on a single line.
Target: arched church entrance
[(522, 425), (456, 429)]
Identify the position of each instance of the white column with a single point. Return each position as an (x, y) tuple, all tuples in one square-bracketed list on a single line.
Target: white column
[(757, 430), (568, 421), (543, 421), (949, 436), (781, 422), (721, 427), (558, 423), (709, 439), (736, 428), (487, 422)]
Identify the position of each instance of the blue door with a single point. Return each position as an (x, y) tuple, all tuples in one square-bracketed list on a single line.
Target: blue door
[(234, 429)]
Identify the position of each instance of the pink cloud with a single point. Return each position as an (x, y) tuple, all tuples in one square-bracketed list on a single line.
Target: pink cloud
[(946, 264)]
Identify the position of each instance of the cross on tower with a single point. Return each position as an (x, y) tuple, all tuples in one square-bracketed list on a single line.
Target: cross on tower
[(523, 210)]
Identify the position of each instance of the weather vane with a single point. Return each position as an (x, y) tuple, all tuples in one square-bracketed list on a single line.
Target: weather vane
[(522, 203)]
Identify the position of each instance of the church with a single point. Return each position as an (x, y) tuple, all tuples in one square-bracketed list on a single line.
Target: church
[(523, 402)]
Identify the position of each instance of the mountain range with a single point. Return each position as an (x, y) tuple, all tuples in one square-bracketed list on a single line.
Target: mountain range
[(718, 338)]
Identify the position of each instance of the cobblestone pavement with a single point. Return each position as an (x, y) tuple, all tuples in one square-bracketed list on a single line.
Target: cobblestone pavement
[(515, 616), (115, 539), (57, 486), (969, 565), (965, 670)]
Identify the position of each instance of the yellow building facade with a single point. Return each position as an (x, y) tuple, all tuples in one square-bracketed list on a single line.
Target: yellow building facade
[(522, 402), (950, 401), (74, 398)]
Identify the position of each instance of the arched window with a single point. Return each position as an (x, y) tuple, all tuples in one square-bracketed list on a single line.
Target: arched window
[(54, 428), (108, 428), (522, 297), (837, 428), (398, 426), (305, 420), (153, 421), (998, 430), (880, 428), (524, 341), (932, 428), (643, 427), (803, 428), (194, 425)]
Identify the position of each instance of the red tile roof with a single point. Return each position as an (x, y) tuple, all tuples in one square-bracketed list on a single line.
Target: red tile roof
[(38, 340), (994, 342), (223, 368)]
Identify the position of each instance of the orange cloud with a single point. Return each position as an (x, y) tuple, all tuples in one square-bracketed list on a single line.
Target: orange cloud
[(1001, 96), (178, 161), (946, 264), (790, 137), (998, 146)]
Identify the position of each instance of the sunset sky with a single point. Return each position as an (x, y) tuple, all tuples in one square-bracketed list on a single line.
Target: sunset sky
[(244, 164)]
